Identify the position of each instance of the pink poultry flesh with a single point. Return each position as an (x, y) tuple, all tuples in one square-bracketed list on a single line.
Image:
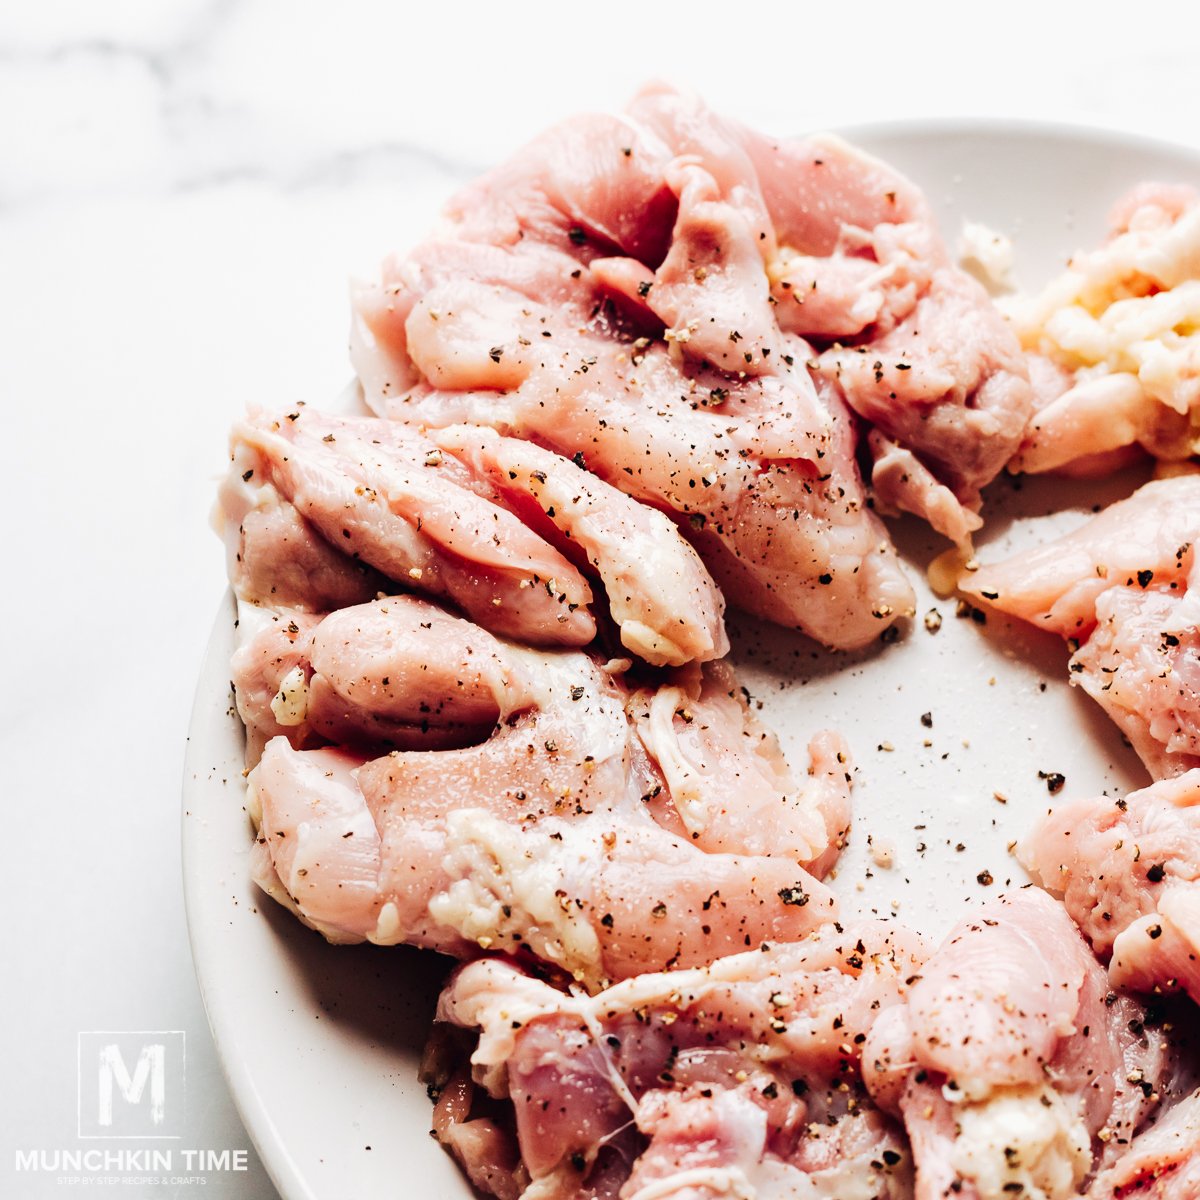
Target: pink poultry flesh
[(1121, 587), (852, 1063), (538, 801), (695, 310), (1128, 869)]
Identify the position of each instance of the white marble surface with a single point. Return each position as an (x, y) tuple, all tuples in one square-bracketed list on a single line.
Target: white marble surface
[(184, 189)]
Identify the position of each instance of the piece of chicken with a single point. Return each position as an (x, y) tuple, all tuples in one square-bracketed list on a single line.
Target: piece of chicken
[(1141, 664), (1121, 586), (605, 828), (653, 293), (735, 1079), (758, 471), (504, 529), (720, 778), (741, 252), (1010, 1062), (666, 606), (398, 672), (947, 383), (597, 892), (275, 556), (856, 266), (385, 496), (1127, 869), (1148, 536), (401, 673)]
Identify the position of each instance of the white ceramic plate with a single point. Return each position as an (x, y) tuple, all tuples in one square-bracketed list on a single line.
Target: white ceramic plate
[(320, 1043)]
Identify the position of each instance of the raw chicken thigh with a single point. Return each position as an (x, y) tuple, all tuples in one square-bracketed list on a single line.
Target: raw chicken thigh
[(627, 292), (736, 1079), (503, 529), (605, 827), (1014, 1069), (1128, 869), (1121, 587), (398, 672)]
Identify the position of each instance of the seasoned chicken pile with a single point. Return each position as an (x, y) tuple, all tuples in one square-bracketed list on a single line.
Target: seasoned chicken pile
[(656, 365)]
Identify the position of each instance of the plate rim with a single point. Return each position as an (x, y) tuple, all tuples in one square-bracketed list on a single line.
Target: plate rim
[(272, 1151), (1077, 131)]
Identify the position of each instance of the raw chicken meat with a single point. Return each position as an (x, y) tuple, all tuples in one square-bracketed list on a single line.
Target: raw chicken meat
[(1121, 587), (1142, 665), (277, 557), (398, 672), (1128, 869), (628, 290), (487, 522), (1056, 585), (725, 785), (596, 824), (1162, 1164), (759, 472), (401, 673), (903, 483), (918, 349), (1012, 1065), (947, 382), (1115, 341), (385, 496), (663, 600), (736, 1079), (598, 893)]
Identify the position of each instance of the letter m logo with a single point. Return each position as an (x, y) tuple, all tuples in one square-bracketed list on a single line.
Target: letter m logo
[(151, 1065), (131, 1083)]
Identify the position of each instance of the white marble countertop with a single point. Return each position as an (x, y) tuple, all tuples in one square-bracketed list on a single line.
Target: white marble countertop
[(184, 190)]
